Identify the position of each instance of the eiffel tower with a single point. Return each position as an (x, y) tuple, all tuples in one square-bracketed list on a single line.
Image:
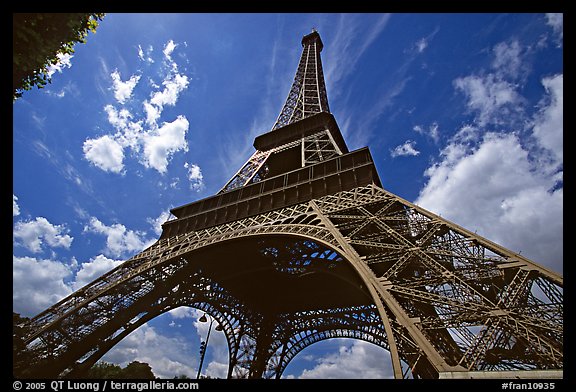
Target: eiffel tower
[(303, 244)]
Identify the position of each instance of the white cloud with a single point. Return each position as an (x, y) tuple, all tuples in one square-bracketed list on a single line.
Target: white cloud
[(503, 197), (360, 360), (105, 153), (507, 59), (217, 369), (152, 113), (128, 132), (556, 21), (63, 62), (185, 312), (493, 95), (145, 57), (346, 49), (195, 176), (172, 89), (421, 45), (512, 188), (492, 98), (169, 48), (155, 146), (406, 149), (123, 90), (168, 356), (15, 207), (549, 123), (118, 119), (157, 222), (162, 143), (431, 131), (93, 269), (119, 240), (34, 234), (37, 284)]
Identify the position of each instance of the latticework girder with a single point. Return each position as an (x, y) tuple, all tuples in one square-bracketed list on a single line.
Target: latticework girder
[(307, 95), (478, 306)]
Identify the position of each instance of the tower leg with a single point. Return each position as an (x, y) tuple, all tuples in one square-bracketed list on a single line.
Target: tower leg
[(262, 352)]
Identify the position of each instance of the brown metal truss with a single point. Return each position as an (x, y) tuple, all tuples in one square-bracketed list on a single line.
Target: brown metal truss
[(303, 244), (457, 301)]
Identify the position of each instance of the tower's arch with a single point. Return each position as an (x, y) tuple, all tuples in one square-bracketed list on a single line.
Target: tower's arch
[(335, 356)]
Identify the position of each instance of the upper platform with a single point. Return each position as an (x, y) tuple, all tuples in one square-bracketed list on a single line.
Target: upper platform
[(341, 173), (310, 38), (299, 129)]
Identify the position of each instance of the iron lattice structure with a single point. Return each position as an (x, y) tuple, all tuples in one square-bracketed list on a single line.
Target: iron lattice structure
[(303, 244)]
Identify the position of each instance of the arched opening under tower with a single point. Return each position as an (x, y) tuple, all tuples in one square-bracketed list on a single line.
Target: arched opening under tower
[(341, 358), (170, 344), (272, 295), (276, 274)]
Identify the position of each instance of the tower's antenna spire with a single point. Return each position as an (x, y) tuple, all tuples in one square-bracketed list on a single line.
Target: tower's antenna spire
[(308, 93)]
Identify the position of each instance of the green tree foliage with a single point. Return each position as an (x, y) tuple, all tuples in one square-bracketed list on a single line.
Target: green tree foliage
[(138, 370), (104, 370), (38, 39), (134, 370)]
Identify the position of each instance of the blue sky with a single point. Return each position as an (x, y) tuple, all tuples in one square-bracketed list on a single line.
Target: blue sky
[(463, 114)]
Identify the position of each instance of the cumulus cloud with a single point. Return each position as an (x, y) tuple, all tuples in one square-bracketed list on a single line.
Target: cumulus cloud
[(556, 21), (406, 149), (169, 48), (153, 113), (185, 312), (37, 284), (494, 100), (93, 269), (39, 232), (492, 94), (63, 62), (159, 221), (123, 90), (154, 145), (128, 132), (360, 360), (508, 59), (15, 207), (506, 185), (168, 356), (513, 193), (549, 123), (162, 143), (173, 86), (119, 240), (104, 153), (195, 176)]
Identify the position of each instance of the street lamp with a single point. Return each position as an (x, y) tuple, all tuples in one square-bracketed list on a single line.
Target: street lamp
[(204, 344)]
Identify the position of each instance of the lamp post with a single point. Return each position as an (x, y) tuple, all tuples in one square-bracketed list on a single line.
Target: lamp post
[(204, 344)]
